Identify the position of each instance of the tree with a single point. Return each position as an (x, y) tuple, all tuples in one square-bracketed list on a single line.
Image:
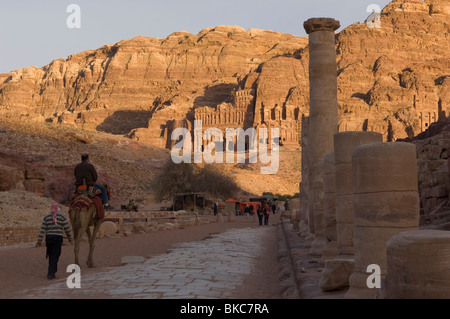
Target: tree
[(191, 177)]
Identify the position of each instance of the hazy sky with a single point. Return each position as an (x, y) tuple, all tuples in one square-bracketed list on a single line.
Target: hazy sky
[(35, 32)]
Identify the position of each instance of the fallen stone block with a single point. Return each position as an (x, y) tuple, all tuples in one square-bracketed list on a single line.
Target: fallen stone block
[(336, 274), (131, 259), (108, 228)]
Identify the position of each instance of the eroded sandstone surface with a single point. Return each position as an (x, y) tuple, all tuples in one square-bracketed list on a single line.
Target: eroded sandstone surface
[(394, 80)]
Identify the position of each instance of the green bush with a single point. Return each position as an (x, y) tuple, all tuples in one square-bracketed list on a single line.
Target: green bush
[(267, 194)]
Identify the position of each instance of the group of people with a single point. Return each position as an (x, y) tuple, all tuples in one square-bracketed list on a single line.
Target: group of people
[(55, 224), (264, 211)]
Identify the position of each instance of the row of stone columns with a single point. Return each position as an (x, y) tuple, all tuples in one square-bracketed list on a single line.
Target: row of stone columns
[(344, 145), (363, 202), (380, 200)]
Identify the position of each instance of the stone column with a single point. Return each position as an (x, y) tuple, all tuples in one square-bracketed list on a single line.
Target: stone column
[(294, 211), (304, 184), (319, 241), (323, 121), (337, 272), (329, 198), (385, 203), (303, 225), (418, 265), (331, 276), (344, 145)]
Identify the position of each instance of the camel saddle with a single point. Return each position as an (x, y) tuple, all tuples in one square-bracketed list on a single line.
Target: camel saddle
[(83, 200)]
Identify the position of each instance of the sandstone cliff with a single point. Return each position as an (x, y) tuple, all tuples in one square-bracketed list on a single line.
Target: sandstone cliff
[(394, 79), (120, 87)]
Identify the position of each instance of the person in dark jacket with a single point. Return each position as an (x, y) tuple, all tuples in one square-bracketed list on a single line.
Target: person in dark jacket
[(246, 212), (53, 225), (86, 173), (259, 212), (274, 208), (266, 214)]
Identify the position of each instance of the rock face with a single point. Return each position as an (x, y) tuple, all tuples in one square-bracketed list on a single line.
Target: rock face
[(39, 159), (394, 79), (33, 173), (390, 80), (433, 173), (119, 88)]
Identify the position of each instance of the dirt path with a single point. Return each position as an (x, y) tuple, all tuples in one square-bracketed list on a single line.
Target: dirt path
[(26, 267)]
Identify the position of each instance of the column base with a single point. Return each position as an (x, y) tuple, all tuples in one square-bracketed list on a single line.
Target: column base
[(317, 247), (359, 290), (329, 251)]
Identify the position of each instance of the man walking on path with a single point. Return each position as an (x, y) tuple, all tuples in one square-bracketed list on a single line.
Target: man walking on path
[(52, 227)]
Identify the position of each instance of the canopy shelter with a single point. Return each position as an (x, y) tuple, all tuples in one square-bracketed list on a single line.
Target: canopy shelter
[(243, 205), (190, 202)]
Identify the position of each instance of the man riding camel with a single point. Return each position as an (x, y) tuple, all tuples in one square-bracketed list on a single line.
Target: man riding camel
[(85, 173)]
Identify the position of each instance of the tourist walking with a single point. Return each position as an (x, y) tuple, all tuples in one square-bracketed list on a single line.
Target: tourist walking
[(259, 212), (274, 208), (53, 225), (266, 214), (246, 213)]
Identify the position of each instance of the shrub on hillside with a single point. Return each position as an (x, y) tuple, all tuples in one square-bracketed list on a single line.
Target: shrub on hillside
[(190, 177)]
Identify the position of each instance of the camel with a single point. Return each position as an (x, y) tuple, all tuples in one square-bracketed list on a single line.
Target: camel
[(81, 221)]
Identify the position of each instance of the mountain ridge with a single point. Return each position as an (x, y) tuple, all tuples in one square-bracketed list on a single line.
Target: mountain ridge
[(394, 80)]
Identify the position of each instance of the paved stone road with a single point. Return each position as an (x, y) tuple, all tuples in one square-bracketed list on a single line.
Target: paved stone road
[(210, 269)]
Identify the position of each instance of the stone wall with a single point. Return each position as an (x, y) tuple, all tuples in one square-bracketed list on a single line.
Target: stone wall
[(126, 224), (18, 235), (433, 173)]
